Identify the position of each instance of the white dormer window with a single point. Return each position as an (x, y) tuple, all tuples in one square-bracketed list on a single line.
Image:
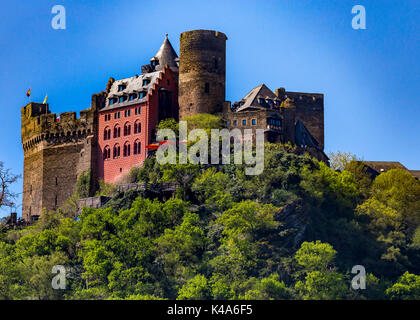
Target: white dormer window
[(112, 100), (142, 94), (146, 82), (133, 96), (121, 87), (122, 99)]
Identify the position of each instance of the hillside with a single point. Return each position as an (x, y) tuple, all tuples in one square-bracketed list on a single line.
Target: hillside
[(293, 232)]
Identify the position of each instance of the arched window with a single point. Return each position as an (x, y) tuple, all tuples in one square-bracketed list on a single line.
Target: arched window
[(137, 126), (107, 133), (127, 150), (117, 131), (107, 153), (127, 129), (137, 147), (116, 151)]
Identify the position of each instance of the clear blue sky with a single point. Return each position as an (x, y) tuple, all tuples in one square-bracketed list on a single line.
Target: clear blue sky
[(370, 78)]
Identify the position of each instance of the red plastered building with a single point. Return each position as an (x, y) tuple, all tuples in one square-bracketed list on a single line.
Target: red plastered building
[(133, 108)]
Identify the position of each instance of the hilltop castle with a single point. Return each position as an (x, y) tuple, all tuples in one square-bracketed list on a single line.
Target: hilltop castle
[(110, 137)]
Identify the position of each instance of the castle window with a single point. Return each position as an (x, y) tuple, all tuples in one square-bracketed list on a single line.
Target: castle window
[(112, 100), (133, 96), (206, 87), (127, 129), (227, 123), (254, 122), (116, 151), (146, 82), (117, 132), (107, 133), (121, 87), (137, 147), (244, 122), (261, 101), (126, 151), (107, 153), (127, 113), (55, 201), (122, 98), (142, 94), (235, 122), (138, 110), (137, 127)]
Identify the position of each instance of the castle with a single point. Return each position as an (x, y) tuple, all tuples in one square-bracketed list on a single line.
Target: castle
[(112, 136)]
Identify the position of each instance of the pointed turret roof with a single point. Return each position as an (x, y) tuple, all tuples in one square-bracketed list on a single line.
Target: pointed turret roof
[(166, 55)]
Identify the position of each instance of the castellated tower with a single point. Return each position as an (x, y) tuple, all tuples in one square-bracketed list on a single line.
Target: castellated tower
[(202, 72), (56, 152)]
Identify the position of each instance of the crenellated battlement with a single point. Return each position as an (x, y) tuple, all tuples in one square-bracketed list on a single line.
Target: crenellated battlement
[(39, 124)]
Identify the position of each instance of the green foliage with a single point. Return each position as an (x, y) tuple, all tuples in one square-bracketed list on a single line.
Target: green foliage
[(195, 289), (203, 121), (84, 185), (315, 256), (292, 232), (105, 189), (322, 286), (406, 288), (270, 288), (340, 160)]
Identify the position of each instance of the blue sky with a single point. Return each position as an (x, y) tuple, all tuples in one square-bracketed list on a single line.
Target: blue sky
[(370, 78)]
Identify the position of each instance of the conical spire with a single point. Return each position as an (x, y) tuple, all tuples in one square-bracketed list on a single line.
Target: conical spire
[(166, 55)]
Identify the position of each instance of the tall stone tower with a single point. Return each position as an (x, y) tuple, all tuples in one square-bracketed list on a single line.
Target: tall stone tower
[(202, 72), (56, 151)]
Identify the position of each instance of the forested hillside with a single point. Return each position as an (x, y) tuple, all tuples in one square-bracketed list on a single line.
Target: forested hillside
[(293, 232)]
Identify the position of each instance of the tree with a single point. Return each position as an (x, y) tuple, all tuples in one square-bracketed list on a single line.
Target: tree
[(406, 288), (321, 281), (195, 289), (269, 288), (339, 160), (6, 179), (315, 256)]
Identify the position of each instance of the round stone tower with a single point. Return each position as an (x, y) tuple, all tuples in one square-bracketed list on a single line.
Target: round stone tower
[(202, 72)]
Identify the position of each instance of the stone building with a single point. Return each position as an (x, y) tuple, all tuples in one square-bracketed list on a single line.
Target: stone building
[(57, 149), (110, 137)]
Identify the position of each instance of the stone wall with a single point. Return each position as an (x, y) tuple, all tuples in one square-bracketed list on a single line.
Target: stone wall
[(202, 72), (56, 151)]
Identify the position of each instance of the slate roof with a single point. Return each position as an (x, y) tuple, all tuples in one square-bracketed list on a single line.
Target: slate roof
[(250, 101), (166, 55), (415, 173), (133, 85), (304, 136), (383, 166)]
